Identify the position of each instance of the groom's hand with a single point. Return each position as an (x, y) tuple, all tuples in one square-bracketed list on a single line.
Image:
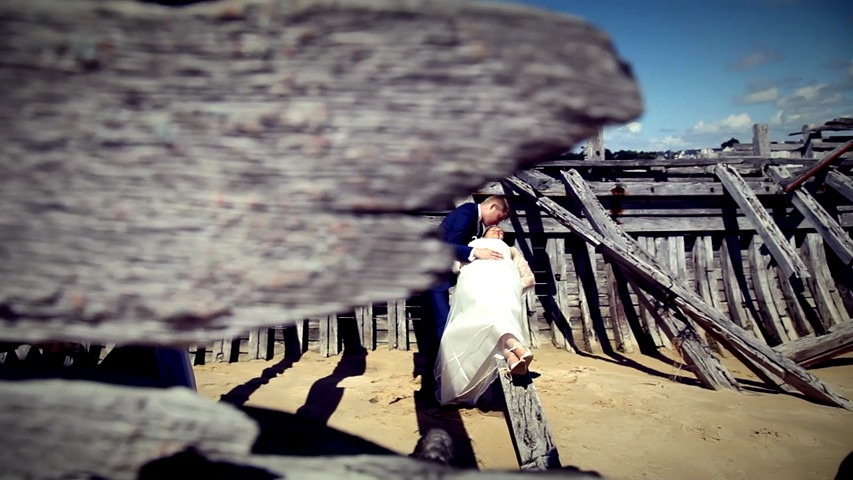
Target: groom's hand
[(487, 254)]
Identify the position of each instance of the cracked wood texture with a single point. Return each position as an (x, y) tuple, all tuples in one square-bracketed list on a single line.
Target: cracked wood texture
[(174, 176)]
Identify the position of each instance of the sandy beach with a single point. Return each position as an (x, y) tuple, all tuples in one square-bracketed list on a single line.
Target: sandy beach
[(629, 417)]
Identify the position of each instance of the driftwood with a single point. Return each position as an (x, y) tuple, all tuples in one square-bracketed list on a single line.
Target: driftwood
[(757, 356), (249, 164)]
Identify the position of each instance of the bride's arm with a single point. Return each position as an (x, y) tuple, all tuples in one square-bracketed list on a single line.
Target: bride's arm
[(527, 278)]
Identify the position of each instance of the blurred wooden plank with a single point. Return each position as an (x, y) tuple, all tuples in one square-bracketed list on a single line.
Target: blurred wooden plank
[(167, 170)]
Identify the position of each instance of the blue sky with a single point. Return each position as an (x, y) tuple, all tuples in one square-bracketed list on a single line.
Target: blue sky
[(708, 70)]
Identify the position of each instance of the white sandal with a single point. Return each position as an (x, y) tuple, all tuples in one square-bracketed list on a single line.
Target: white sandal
[(527, 358)]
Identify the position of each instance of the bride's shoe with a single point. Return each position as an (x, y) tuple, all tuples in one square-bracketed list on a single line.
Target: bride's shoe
[(526, 355), (516, 365)]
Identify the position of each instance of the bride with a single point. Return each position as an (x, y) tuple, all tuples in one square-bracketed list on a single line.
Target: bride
[(484, 321)]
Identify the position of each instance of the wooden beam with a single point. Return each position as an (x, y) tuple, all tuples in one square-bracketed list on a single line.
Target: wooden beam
[(841, 183), (821, 282), (830, 157), (531, 435), (710, 372), (811, 349), (834, 236), (711, 320), (779, 247)]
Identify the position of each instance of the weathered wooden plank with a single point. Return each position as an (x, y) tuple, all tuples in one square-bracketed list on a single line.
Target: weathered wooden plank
[(769, 316), (703, 258), (402, 327), (622, 334), (821, 281), (531, 435), (328, 335), (649, 188), (666, 163), (364, 323), (781, 250), (734, 283), (583, 257), (760, 357), (667, 223), (253, 345), (648, 244), (555, 250), (168, 169), (528, 309), (796, 306), (833, 235), (842, 184), (810, 349)]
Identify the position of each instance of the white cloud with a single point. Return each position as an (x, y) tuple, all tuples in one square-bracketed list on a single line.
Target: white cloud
[(634, 127), (731, 123), (762, 96), (811, 96)]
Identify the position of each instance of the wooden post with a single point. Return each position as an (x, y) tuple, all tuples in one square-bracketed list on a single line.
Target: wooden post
[(622, 334), (759, 357), (402, 326), (809, 135), (555, 249), (760, 140), (583, 256), (328, 336), (258, 344), (364, 323), (531, 435), (593, 149)]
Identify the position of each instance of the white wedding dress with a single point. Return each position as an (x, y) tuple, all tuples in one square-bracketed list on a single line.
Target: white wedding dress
[(485, 306)]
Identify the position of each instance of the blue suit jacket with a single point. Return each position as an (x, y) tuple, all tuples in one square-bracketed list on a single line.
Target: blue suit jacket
[(457, 229)]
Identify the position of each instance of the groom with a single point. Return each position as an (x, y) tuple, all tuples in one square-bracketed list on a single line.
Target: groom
[(467, 221)]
